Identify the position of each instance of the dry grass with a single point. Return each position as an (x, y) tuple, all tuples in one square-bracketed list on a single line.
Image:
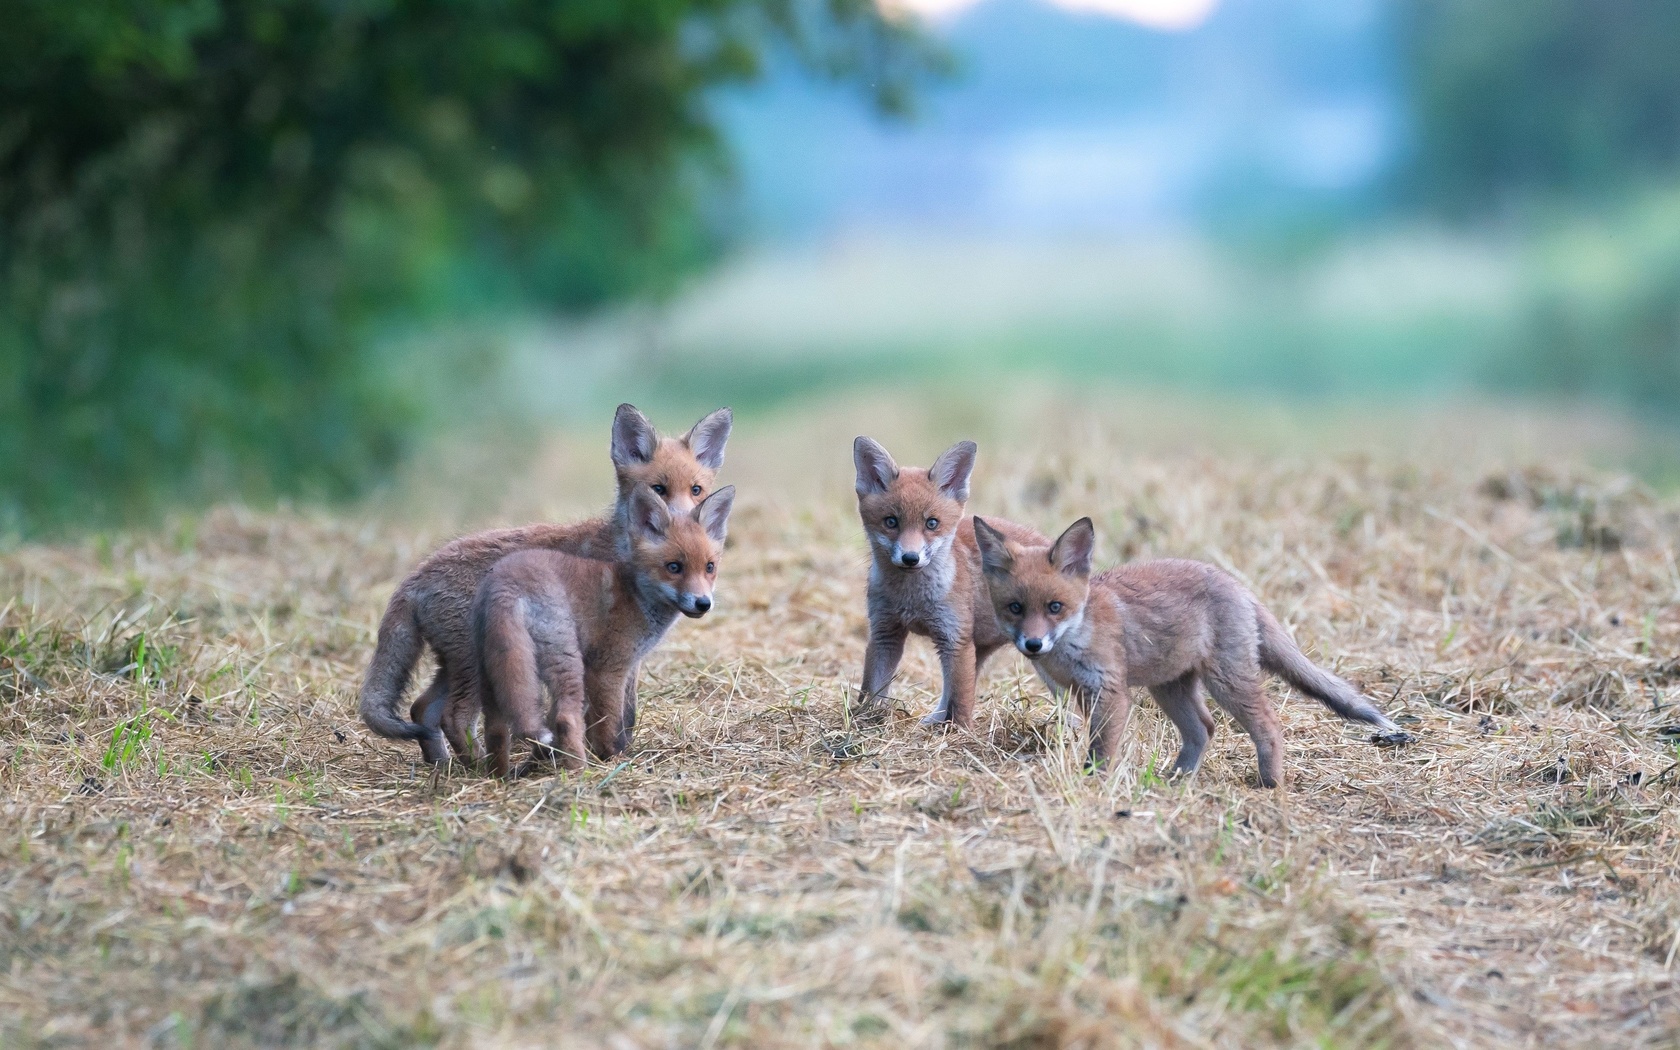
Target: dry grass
[(202, 846)]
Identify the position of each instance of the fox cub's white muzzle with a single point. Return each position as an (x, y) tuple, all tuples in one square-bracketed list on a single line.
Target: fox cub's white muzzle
[(694, 605)]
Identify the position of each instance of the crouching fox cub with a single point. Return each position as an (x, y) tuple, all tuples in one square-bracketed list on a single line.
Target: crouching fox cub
[(1174, 627), (575, 628)]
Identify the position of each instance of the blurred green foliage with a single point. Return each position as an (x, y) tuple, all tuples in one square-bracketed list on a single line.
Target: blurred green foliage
[(210, 211), (1558, 121), (1513, 98), (1602, 305)]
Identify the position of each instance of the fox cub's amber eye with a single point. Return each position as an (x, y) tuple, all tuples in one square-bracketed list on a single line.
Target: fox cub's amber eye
[(932, 524), (673, 567), (659, 489), (1055, 607), (1015, 607), (891, 522), (694, 490), (711, 567)]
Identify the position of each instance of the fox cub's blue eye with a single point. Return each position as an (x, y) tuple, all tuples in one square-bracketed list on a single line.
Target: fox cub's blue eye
[(891, 522), (673, 567), (932, 524), (659, 489), (711, 567), (1015, 607), (1055, 607), (694, 490)]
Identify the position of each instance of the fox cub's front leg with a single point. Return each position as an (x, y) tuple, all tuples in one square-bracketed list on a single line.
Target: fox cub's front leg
[(605, 690), (1107, 704), (880, 664), (959, 667), (629, 726)]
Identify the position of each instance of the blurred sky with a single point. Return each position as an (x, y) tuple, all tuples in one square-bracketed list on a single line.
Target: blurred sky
[(1088, 116)]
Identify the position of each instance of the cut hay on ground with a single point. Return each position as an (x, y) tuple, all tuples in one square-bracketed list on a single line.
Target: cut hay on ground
[(201, 846)]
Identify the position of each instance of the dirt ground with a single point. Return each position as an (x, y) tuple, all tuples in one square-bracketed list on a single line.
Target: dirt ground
[(200, 845)]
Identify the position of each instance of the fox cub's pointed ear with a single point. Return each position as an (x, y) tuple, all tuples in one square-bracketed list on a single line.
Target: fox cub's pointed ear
[(951, 470), (650, 518), (1072, 553), (994, 549), (707, 438), (633, 437), (713, 513), (876, 470)]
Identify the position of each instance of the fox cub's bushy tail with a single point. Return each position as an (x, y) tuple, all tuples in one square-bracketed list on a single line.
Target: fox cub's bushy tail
[(394, 658), (1281, 656)]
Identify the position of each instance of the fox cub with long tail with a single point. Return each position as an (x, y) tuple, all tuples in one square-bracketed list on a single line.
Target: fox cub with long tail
[(576, 628), (433, 607), (924, 577), (1174, 627)]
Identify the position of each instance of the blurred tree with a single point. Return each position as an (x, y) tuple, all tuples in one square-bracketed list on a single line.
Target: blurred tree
[(206, 207), (1565, 113), (1518, 98)]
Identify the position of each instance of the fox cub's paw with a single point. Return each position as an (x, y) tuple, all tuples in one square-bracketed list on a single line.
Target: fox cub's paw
[(1394, 738)]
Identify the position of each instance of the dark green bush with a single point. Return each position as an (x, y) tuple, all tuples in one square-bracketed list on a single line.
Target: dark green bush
[(211, 209)]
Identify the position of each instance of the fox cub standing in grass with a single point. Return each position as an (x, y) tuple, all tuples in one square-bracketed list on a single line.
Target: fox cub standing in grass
[(577, 628), (925, 574), (433, 607), (1171, 626)]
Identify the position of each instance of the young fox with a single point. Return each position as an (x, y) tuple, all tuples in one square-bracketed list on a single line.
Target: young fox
[(1171, 626), (576, 627), (433, 607), (925, 574)]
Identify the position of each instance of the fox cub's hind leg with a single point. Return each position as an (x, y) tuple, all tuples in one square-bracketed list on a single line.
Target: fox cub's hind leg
[(1181, 699), (428, 711), (513, 693), (1239, 691), (562, 672), (460, 713)]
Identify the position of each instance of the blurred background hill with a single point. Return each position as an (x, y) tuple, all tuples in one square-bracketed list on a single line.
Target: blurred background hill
[(262, 251)]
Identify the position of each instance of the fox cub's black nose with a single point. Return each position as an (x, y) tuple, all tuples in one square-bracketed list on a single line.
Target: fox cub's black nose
[(910, 557), (1033, 645), (702, 603)]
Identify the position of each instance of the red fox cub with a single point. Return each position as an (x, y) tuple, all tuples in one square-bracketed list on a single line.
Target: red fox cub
[(433, 607), (925, 574), (1170, 626), (576, 628)]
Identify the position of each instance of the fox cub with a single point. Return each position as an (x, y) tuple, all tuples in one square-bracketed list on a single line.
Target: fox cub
[(1171, 626), (433, 607), (576, 628), (924, 577)]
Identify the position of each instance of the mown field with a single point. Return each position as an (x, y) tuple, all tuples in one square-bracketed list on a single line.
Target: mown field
[(201, 846)]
